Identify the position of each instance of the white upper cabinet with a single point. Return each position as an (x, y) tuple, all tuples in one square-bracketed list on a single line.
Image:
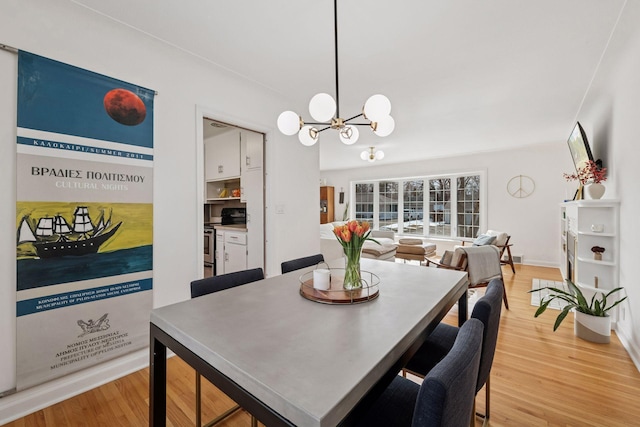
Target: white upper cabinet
[(251, 150), (222, 155)]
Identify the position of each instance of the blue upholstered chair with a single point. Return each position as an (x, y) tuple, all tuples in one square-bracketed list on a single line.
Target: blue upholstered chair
[(297, 264), (445, 398), (210, 285), (487, 310)]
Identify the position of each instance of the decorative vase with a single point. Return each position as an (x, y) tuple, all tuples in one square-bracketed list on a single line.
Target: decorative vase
[(596, 190), (592, 328), (352, 278)]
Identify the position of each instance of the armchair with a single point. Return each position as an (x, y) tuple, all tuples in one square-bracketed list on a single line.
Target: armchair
[(501, 241)]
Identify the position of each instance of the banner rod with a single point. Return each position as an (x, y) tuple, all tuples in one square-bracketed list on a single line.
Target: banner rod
[(15, 50), (8, 48)]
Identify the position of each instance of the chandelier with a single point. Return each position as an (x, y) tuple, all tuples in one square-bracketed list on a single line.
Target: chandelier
[(326, 113), (372, 155)]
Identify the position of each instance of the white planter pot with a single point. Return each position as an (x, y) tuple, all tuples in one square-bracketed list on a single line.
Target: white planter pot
[(595, 191), (592, 328)]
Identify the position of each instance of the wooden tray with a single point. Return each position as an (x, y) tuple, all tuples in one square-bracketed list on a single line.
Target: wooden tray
[(336, 294)]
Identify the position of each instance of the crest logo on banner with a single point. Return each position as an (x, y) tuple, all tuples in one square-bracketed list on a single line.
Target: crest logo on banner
[(84, 218)]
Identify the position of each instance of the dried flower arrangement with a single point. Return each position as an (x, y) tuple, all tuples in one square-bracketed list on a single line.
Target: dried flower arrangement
[(588, 174)]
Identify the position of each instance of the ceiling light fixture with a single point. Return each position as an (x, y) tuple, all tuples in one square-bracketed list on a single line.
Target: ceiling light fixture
[(372, 155), (326, 111)]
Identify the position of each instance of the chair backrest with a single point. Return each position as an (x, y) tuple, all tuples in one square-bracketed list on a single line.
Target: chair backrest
[(487, 309), (297, 264), (447, 393), (483, 264), (213, 284)]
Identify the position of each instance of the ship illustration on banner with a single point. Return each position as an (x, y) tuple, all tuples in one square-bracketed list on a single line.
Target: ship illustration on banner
[(53, 236)]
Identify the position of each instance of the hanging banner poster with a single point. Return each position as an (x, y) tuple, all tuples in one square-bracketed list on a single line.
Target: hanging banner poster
[(84, 218)]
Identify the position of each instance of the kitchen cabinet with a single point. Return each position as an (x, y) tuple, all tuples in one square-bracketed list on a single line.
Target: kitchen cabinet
[(222, 156), (231, 251), (326, 204), (213, 190), (253, 191), (234, 159), (251, 150)]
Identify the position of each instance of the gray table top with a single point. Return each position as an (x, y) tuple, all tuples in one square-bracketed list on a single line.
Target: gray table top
[(310, 362)]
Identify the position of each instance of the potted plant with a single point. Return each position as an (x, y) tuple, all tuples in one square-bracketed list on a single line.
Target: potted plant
[(592, 321), (593, 176)]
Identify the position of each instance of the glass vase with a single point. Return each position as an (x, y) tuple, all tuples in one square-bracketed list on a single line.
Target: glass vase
[(352, 278)]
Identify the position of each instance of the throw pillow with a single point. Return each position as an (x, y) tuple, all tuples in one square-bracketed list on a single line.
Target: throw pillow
[(484, 239)]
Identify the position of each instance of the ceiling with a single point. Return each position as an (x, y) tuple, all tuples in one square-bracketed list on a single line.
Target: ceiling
[(463, 76)]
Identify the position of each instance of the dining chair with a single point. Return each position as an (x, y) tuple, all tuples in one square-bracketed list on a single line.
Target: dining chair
[(445, 398), (210, 285), (297, 264), (487, 310)]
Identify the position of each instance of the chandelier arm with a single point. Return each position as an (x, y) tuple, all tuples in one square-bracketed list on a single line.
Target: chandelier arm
[(317, 123), (354, 117), (323, 129), (335, 30), (359, 124)]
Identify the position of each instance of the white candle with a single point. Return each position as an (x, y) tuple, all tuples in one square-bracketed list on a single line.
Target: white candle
[(321, 279)]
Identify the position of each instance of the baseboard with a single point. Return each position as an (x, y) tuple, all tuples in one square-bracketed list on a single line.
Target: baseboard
[(629, 345), (20, 404), (539, 263)]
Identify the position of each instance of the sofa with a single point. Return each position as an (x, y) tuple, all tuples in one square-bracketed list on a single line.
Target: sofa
[(332, 249)]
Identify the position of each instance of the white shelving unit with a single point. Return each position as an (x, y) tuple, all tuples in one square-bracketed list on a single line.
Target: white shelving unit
[(581, 222)]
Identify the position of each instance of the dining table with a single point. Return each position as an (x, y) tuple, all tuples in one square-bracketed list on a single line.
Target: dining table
[(292, 361)]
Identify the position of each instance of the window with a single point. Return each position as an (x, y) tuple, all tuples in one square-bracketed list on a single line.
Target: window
[(453, 205), (413, 207), (468, 188), (388, 203), (364, 202), (440, 207)]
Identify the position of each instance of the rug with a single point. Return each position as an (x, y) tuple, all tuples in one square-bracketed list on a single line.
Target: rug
[(542, 283)]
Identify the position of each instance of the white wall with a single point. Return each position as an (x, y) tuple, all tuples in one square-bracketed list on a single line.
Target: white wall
[(66, 32), (533, 222), (611, 111)]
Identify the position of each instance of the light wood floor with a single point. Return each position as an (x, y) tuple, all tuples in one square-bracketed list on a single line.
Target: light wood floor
[(539, 378)]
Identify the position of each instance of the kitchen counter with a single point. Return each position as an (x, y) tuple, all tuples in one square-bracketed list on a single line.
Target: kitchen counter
[(231, 227)]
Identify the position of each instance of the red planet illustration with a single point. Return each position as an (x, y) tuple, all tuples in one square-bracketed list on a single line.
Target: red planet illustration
[(125, 107)]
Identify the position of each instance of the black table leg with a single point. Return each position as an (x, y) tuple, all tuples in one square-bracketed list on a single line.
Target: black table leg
[(157, 382), (462, 309)]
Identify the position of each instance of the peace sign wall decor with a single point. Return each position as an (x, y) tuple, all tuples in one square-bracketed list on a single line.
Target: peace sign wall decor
[(521, 186)]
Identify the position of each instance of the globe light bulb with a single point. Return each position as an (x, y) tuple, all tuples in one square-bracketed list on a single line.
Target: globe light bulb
[(308, 135), (322, 107), (364, 155), (385, 126), (289, 123), (349, 135), (377, 107), (379, 155)]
